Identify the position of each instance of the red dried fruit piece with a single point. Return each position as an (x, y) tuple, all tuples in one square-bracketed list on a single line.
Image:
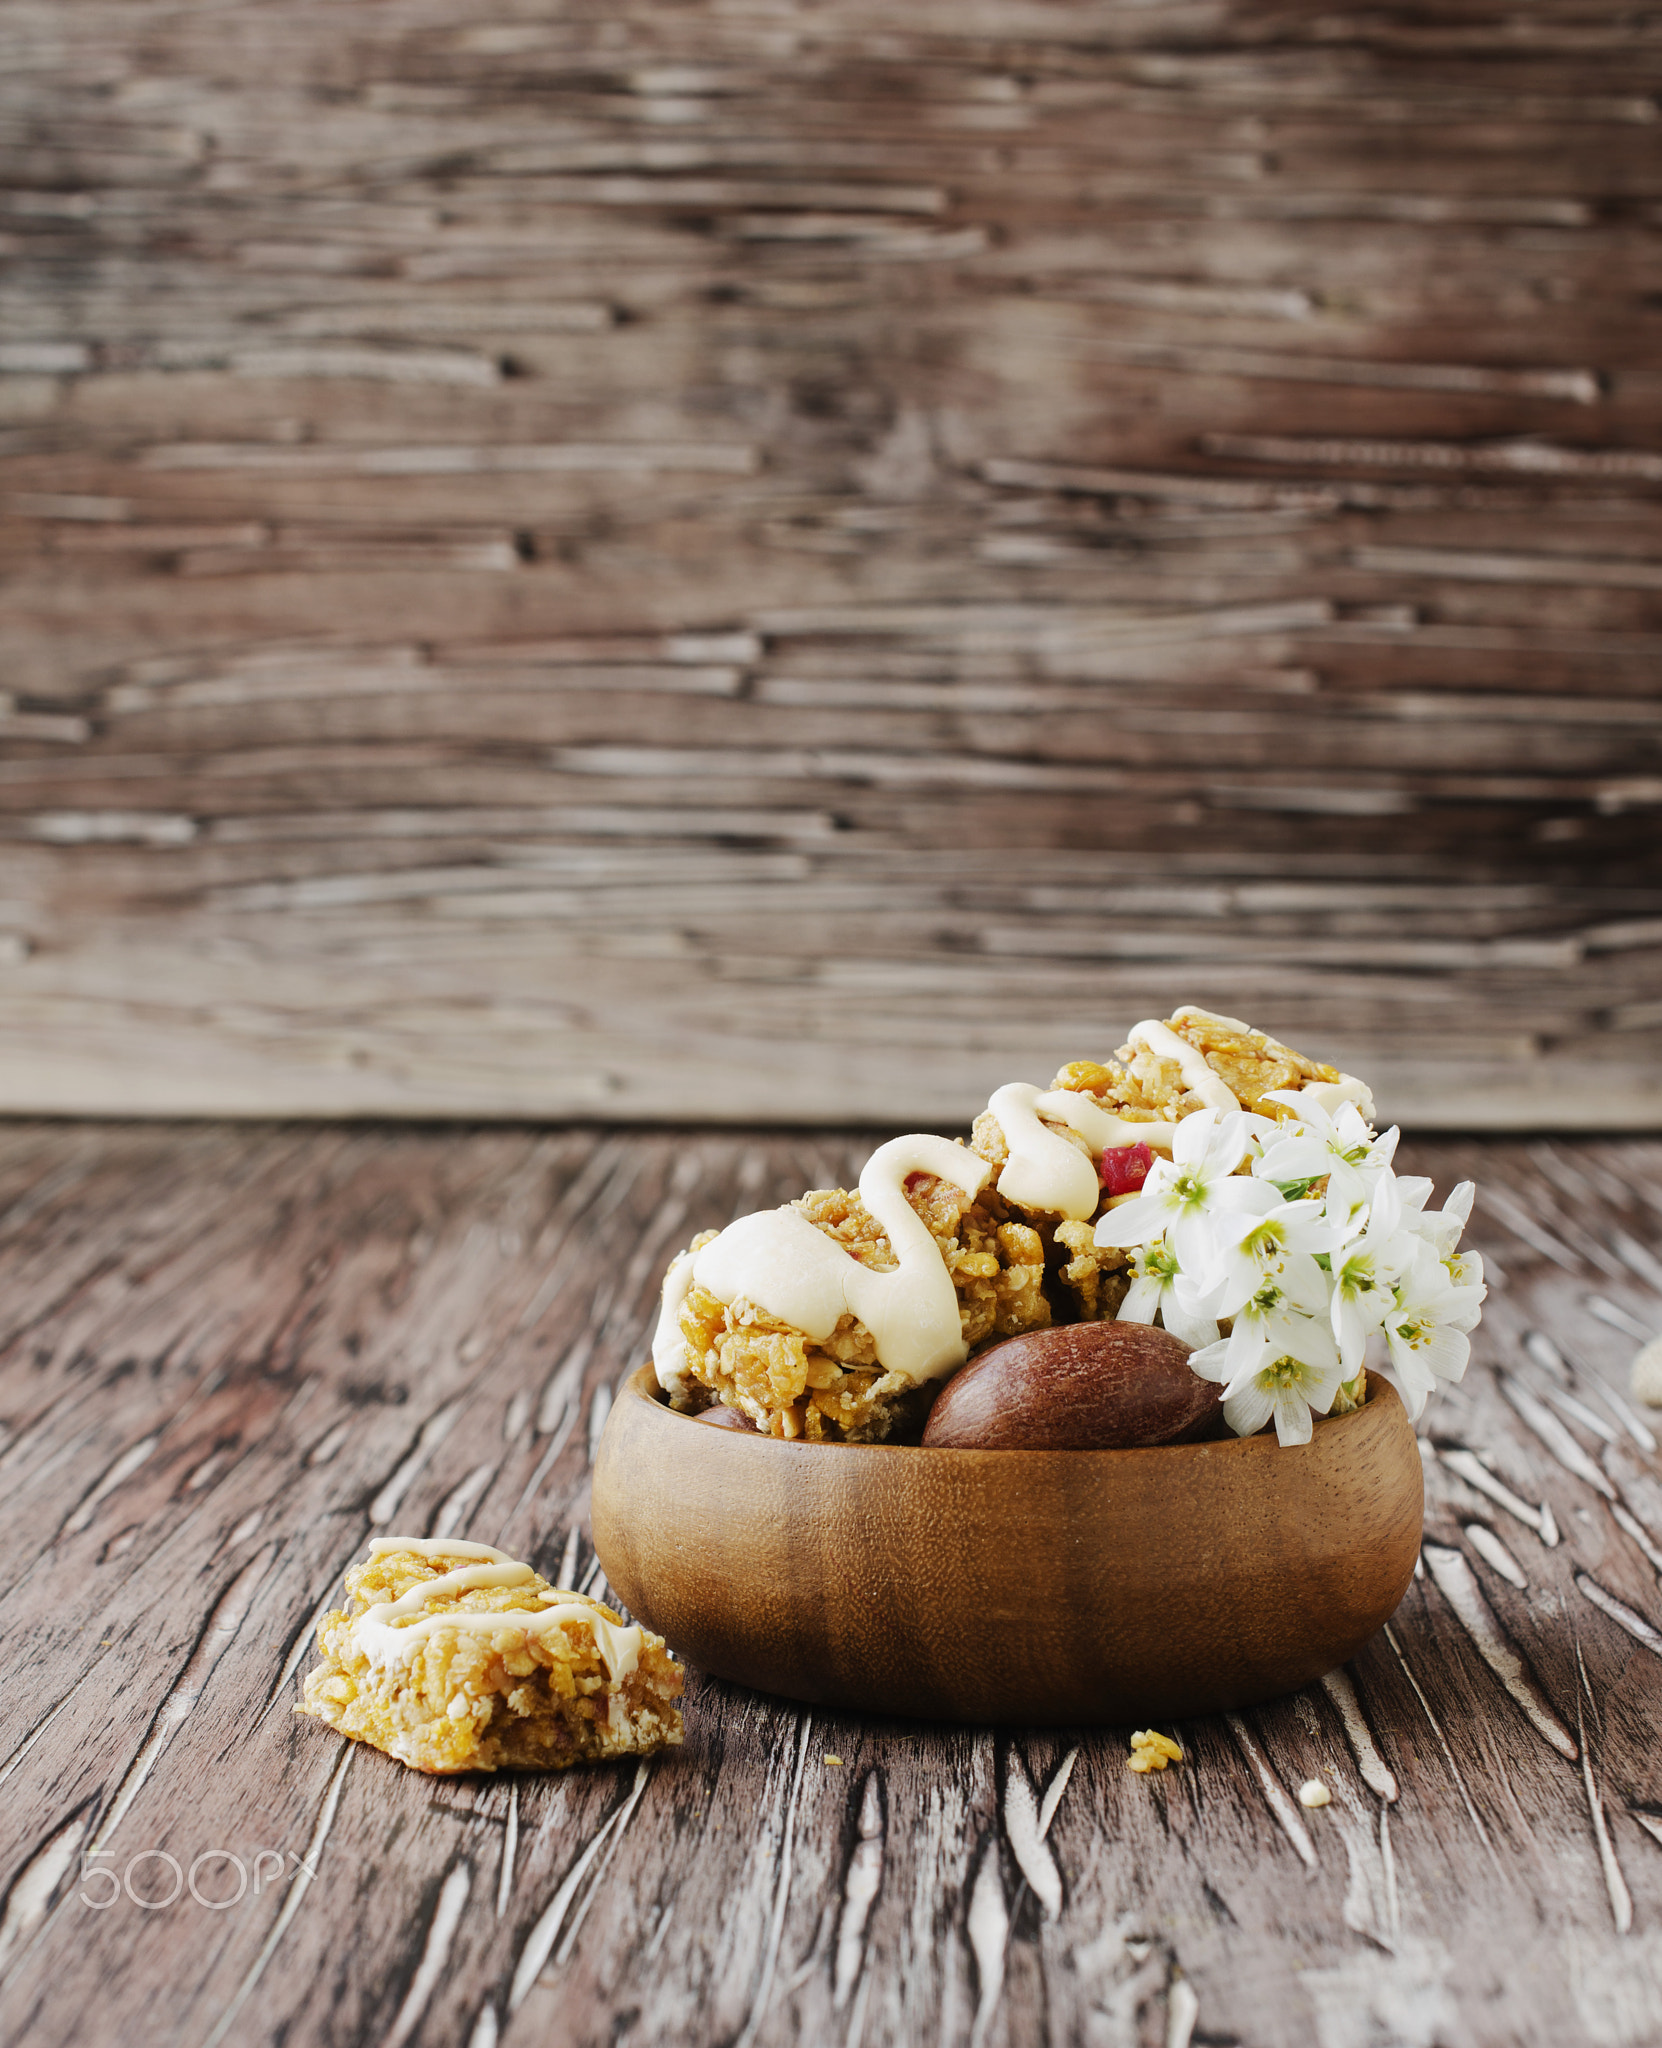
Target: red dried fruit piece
[(1125, 1168)]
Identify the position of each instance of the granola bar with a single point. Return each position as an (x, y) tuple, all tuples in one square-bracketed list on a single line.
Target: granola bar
[(1150, 1082), (455, 1657), (835, 1389), (1011, 1220), (1147, 1082)]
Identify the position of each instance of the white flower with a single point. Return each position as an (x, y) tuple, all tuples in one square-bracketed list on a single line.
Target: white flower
[(1443, 1227), (1365, 1272), (1154, 1291), (1198, 1181), (1340, 1147), (1300, 1284), (1247, 1249), (1291, 1385), (1271, 1320), (1465, 1269), (1426, 1326)]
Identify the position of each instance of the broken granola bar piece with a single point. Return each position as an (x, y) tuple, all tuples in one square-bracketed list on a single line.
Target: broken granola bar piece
[(457, 1657), (1086, 1281), (1168, 1070), (835, 1389)]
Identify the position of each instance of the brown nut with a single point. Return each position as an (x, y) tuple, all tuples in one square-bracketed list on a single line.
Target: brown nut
[(1075, 1387), (722, 1417)]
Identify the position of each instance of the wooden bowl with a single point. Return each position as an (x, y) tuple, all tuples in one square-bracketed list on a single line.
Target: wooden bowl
[(1038, 1587)]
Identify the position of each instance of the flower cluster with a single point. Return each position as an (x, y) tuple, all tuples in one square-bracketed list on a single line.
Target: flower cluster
[(1280, 1250)]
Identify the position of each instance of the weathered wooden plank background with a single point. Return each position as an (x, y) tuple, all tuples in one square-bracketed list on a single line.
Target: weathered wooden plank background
[(230, 1356), (778, 561)]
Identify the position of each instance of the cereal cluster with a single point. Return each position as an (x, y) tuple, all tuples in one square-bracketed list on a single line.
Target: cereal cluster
[(1013, 1271)]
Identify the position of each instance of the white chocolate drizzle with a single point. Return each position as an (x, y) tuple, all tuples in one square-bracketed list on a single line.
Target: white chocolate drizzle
[(1328, 1095), (1044, 1172), (1333, 1095), (1161, 1040), (789, 1268), (669, 1347), (1192, 1012), (386, 1633)]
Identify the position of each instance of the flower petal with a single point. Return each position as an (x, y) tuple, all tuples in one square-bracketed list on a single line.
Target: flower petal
[(1193, 1138), (1139, 1221), (1351, 1335), (1292, 1417), (1447, 1352), (1208, 1362), (1304, 1107), (1247, 1345), (1190, 1237), (1408, 1384), (1257, 1197), (1304, 1284), (1142, 1302), (1198, 1330), (1300, 1157), (1248, 1411)]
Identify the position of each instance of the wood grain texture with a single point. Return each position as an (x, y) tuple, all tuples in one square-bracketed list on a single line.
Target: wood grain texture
[(1036, 1588), (722, 561), (230, 1356)]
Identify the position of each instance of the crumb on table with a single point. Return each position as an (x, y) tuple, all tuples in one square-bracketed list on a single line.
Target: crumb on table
[(1151, 1751)]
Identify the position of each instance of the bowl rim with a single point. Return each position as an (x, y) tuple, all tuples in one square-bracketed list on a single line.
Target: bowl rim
[(642, 1384)]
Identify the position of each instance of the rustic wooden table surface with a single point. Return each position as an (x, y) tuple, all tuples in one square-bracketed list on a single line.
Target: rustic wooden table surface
[(233, 1354)]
